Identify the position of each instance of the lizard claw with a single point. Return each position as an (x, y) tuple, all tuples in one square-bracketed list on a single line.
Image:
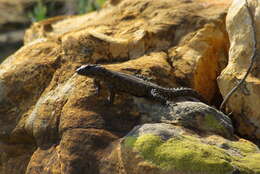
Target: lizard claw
[(97, 92), (230, 113), (169, 103)]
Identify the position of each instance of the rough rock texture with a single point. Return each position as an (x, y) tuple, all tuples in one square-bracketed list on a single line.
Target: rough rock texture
[(153, 27), (245, 103), (193, 115), (51, 121), (201, 117), (166, 149), (200, 57)]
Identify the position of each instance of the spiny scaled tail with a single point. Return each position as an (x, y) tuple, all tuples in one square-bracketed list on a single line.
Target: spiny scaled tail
[(188, 92)]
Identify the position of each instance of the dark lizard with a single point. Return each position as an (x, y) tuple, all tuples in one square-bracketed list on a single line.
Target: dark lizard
[(121, 82)]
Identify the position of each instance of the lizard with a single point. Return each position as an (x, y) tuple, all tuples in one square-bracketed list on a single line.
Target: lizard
[(126, 83)]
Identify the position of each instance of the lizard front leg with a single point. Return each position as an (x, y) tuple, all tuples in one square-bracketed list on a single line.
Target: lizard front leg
[(97, 86), (112, 94), (158, 97)]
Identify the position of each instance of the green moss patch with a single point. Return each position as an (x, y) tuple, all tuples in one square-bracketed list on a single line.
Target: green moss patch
[(130, 141), (212, 124), (182, 154), (244, 146), (189, 155), (252, 162)]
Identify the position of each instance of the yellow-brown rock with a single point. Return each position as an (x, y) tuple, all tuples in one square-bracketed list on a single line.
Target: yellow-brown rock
[(51, 121), (199, 60), (166, 149), (245, 103)]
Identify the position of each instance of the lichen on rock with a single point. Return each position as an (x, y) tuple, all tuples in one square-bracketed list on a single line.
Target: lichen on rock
[(182, 152), (193, 115)]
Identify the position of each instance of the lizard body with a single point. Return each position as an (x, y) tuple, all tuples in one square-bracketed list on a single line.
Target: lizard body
[(121, 82)]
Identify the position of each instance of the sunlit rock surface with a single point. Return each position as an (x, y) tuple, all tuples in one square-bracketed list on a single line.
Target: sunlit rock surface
[(51, 121), (245, 103), (165, 149)]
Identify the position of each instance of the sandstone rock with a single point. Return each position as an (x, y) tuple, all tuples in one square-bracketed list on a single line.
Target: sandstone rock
[(201, 117), (245, 103), (79, 151), (64, 127), (196, 36), (14, 157), (199, 60), (163, 149), (193, 115), (24, 76)]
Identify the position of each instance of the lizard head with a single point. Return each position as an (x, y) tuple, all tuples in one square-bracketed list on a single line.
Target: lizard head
[(90, 70)]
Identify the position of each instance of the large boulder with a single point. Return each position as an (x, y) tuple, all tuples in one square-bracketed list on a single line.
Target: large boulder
[(193, 115), (166, 149), (245, 103), (51, 121)]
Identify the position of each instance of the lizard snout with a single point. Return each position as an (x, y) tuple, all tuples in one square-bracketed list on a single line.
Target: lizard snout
[(81, 70)]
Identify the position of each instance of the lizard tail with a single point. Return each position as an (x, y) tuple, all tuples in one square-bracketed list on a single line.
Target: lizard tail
[(252, 60), (188, 92)]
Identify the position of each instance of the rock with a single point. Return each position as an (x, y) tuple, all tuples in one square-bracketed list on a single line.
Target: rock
[(197, 44), (52, 116), (193, 115), (245, 103), (201, 52), (163, 149), (200, 58), (14, 157), (199, 116), (23, 77), (79, 150)]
